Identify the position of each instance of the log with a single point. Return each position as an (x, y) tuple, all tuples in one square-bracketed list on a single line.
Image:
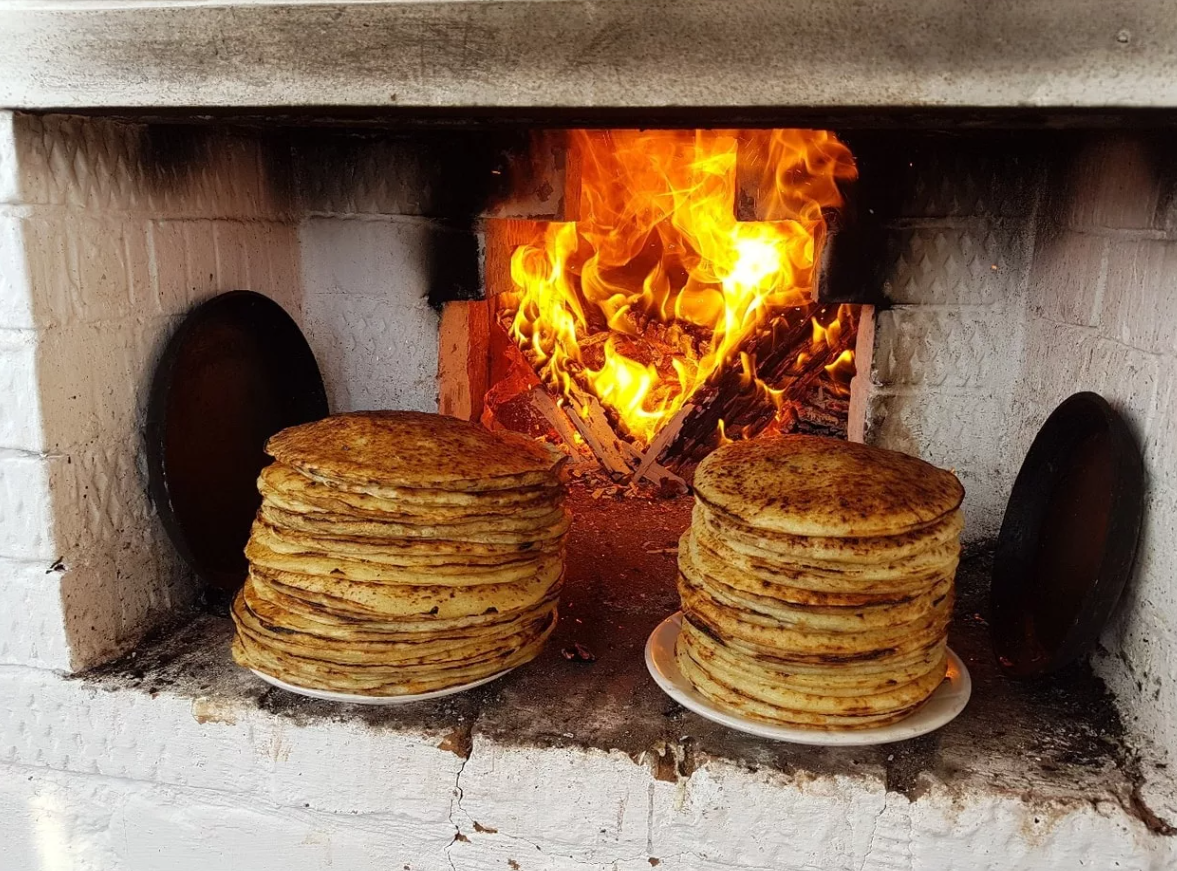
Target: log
[(728, 399), (588, 416), (649, 467), (463, 358)]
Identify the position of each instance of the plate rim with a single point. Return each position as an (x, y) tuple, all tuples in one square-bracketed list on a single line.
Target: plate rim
[(902, 731), (352, 699)]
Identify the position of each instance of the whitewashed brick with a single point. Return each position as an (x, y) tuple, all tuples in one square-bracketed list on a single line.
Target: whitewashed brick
[(26, 511), (32, 627), (123, 779), (106, 166), (78, 269), (1139, 307), (955, 430), (20, 409), (96, 824), (1112, 183), (16, 303), (978, 264), (943, 348), (99, 402), (9, 175), (1067, 278), (366, 313)]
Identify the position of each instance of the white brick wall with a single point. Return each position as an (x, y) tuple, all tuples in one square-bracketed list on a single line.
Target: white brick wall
[(367, 315), (1080, 294), (122, 780), (108, 232)]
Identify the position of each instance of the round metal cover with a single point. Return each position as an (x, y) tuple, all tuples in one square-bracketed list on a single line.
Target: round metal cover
[(1068, 539), (236, 371)]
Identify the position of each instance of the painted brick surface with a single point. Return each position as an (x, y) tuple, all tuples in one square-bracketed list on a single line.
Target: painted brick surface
[(16, 308), (31, 629), (962, 263), (1069, 275), (968, 366), (26, 516), (1109, 182), (20, 414), (1141, 296), (366, 313), (167, 172), (110, 232), (123, 780), (955, 348)]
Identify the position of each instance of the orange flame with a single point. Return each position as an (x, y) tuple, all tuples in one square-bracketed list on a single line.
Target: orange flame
[(656, 285)]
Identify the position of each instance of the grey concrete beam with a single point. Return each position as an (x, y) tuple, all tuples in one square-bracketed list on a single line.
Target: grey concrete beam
[(535, 54)]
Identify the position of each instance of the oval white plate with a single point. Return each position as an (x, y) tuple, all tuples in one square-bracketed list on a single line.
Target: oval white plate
[(949, 700), (328, 696)]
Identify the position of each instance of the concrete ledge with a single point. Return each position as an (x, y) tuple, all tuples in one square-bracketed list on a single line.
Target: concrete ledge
[(586, 53), (561, 765)]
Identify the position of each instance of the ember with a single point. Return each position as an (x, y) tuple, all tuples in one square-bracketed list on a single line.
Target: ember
[(659, 319)]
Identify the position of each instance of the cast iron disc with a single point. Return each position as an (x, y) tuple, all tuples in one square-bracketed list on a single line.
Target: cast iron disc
[(237, 371), (1068, 539)]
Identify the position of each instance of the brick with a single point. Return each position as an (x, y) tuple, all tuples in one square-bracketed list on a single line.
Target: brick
[(32, 629), (944, 348), (954, 430), (16, 310), (1112, 182), (159, 171), (98, 402), (979, 265), (965, 179), (366, 314), (1138, 305), (20, 408), (9, 174), (78, 269), (1067, 277), (26, 513)]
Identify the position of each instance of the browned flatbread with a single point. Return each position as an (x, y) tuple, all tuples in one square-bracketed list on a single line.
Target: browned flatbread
[(808, 485), (413, 449)]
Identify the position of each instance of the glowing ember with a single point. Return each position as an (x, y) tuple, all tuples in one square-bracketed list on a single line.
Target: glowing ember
[(657, 285)]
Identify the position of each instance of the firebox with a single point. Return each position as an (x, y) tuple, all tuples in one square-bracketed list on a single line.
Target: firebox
[(653, 323), (634, 232)]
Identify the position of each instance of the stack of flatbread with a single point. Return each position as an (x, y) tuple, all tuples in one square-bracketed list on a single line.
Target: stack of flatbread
[(399, 553), (817, 581)]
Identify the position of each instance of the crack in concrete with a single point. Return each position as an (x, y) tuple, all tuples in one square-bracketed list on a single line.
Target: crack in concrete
[(456, 802), (874, 831)]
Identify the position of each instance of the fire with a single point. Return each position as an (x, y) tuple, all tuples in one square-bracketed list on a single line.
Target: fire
[(655, 287)]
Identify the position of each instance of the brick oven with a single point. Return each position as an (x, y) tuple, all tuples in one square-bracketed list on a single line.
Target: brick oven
[(1014, 241)]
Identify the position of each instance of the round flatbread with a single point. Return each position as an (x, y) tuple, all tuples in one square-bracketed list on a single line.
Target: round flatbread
[(414, 449), (395, 602), (291, 490), (874, 695), (377, 681), (526, 532), (808, 485), (837, 554)]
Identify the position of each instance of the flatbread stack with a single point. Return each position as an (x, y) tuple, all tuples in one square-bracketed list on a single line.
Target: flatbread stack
[(817, 581), (399, 553)]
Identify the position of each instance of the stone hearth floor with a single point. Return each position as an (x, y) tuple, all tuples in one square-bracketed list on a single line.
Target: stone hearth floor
[(588, 764)]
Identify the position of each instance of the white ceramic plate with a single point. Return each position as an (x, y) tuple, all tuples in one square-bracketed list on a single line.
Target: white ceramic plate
[(328, 696), (948, 701)]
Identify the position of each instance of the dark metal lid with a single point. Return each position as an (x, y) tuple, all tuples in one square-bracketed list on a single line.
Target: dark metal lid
[(237, 371), (1068, 540)]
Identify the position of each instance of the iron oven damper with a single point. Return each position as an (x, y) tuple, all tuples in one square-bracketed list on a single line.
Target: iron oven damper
[(236, 371), (1068, 539)]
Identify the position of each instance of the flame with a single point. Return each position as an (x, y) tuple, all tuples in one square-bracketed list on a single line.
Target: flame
[(657, 284)]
